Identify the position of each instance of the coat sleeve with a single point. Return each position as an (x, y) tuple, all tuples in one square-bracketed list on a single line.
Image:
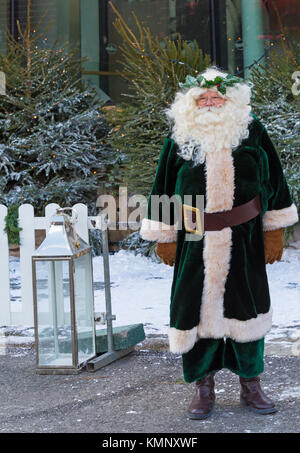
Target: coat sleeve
[(160, 222), (279, 211)]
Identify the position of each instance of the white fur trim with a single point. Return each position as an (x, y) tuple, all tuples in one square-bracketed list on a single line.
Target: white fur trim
[(280, 218), (152, 230), (250, 330), (219, 181), (217, 244), (217, 257), (181, 341)]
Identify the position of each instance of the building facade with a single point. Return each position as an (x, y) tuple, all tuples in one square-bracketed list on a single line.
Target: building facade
[(236, 33)]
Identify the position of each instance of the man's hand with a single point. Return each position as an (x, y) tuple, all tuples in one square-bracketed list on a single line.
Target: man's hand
[(167, 251), (273, 243)]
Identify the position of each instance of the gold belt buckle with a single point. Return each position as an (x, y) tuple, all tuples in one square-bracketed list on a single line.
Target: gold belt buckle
[(188, 219)]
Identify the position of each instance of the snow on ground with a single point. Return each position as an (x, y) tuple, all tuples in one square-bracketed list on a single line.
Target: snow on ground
[(140, 293), (140, 290)]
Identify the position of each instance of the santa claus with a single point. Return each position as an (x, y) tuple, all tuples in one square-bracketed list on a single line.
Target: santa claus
[(220, 308)]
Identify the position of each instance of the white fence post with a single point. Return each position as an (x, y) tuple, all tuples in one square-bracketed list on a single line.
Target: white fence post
[(27, 247), (81, 227), (5, 317), (29, 224)]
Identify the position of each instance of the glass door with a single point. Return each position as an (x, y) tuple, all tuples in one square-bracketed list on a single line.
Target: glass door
[(165, 18)]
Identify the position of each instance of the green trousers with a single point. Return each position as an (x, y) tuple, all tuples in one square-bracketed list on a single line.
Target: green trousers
[(209, 354)]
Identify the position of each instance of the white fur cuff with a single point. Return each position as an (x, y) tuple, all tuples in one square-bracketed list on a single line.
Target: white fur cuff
[(152, 230), (280, 218), (181, 341)]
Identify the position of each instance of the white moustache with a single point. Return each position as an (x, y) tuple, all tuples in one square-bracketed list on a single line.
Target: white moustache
[(208, 115)]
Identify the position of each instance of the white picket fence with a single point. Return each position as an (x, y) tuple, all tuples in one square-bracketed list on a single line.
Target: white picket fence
[(29, 223)]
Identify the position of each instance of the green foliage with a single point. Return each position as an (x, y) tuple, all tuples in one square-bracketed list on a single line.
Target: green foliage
[(12, 228), (154, 69), (139, 246), (279, 109)]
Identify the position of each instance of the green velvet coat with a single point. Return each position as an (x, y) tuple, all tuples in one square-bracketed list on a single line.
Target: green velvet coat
[(220, 287)]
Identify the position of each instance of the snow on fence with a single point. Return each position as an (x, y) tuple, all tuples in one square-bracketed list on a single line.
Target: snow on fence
[(29, 223)]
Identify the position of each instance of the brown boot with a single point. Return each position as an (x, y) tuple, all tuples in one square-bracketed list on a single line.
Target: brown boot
[(204, 399), (254, 398)]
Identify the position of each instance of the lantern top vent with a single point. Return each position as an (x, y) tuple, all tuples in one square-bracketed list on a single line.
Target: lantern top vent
[(62, 239)]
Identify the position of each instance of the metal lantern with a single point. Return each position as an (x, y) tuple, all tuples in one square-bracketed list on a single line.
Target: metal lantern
[(63, 299)]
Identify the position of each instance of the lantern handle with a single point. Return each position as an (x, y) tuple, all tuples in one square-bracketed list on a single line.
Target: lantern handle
[(60, 210)]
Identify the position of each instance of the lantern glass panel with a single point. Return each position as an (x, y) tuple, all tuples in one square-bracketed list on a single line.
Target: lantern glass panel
[(84, 307), (53, 313)]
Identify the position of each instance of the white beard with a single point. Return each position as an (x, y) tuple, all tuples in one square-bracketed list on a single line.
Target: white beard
[(204, 130)]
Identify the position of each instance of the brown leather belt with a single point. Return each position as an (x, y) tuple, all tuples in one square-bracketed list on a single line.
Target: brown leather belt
[(216, 221)]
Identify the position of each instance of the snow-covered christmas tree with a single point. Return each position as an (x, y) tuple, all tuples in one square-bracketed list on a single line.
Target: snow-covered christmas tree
[(51, 127), (275, 103)]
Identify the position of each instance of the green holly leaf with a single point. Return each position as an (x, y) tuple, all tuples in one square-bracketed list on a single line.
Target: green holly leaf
[(209, 83), (233, 79), (222, 88), (218, 79), (190, 80), (199, 78)]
